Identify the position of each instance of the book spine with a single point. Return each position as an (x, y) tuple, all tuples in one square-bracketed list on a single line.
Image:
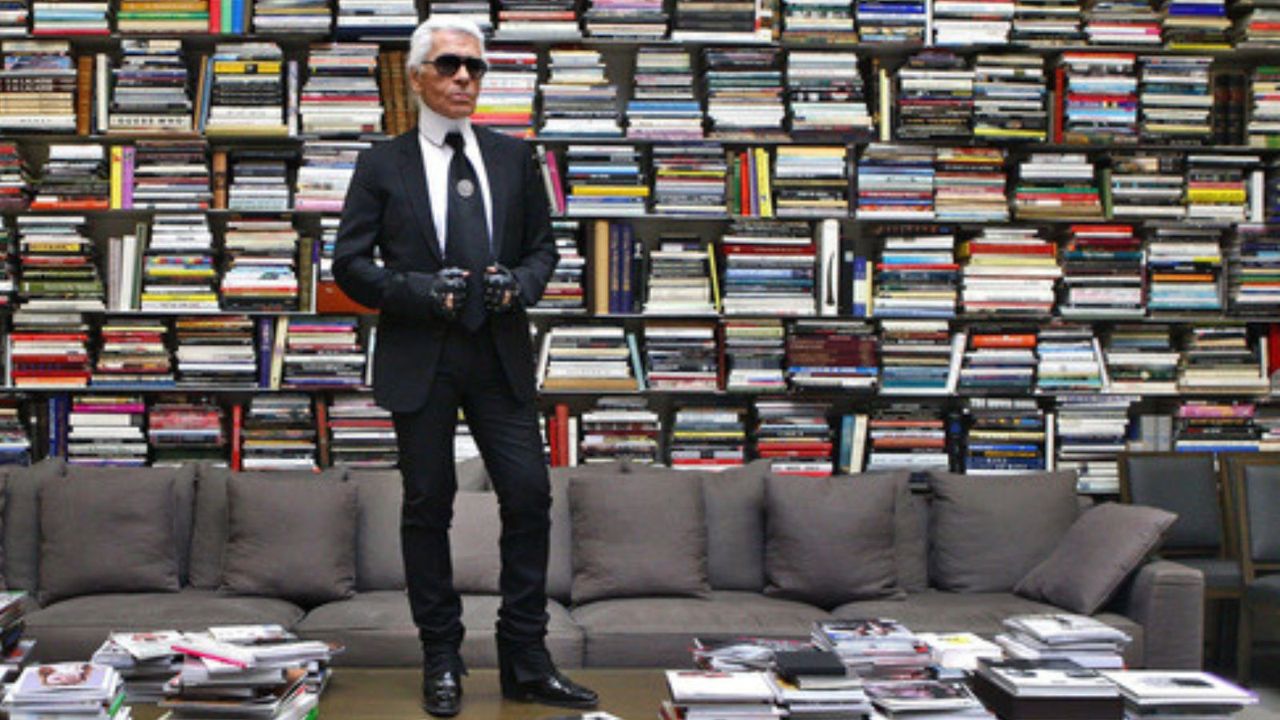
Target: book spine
[(266, 343), (117, 176), (84, 93), (126, 176)]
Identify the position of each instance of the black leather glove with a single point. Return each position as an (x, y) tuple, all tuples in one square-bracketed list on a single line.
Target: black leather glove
[(501, 290), (448, 292)]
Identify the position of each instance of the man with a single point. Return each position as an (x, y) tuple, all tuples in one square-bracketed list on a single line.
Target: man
[(459, 217)]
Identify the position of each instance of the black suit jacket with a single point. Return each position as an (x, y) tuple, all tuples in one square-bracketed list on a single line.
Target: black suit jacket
[(387, 207)]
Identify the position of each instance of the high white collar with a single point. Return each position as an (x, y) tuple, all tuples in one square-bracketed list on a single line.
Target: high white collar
[(433, 126)]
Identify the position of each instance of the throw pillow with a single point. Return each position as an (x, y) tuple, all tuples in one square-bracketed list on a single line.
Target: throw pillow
[(638, 535), (1098, 552), (988, 531), (829, 541), (110, 533), (310, 559)]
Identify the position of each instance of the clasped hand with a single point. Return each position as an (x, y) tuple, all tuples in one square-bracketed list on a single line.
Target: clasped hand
[(448, 291)]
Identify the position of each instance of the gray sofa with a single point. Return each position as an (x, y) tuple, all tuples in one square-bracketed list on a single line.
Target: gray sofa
[(1159, 604)]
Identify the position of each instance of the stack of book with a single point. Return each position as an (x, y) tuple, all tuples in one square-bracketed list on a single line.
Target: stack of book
[(1048, 23), (70, 689), (769, 268), (145, 660), (606, 180), (1100, 98), (564, 292), (15, 449), (999, 359), (1213, 426), (589, 358), (935, 97), (1264, 107), (745, 91), (960, 650), (1009, 98), (312, 17), (107, 430), (361, 434), (895, 182), (680, 280), (663, 105), (1177, 104), (818, 22), (745, 21), (260, 180), (1010, 271), (754, 354), (689, 179), (634, 19), (261, 262), (969, 185), (620, 429), (375, 20), (246, 86), (48, 350), (710, 693), (340, 97), (178, 272), (881, 21), (216, 351), (1141, 359), (185, 431), (323, 352), (75, 177), (707, 438), (909, 436), (1102, 272), (826, 98), (7, 271), (164, 175), (1122, 22), (1006, 436), (811, 182), (681, 356), (133, 354), (39, 84), (577, 98), (967, 23), (1179, 693), (1057, 186), (832, 355), (58, 272), (13, 186), (1092, 432), (874, 648), (1145, 185), (266, 679), (916, 277), (925, 699), (13, 18), (1255, 270), (1222, 359), (1070, 360), (1185, 270), (506, 97), (1064, 637), (61, 17), (1058, 688), (1218, 186), (156, 16), (149, 91), (279, 434), (325, 173), (1196, 25), (524, 20), (795, 436), (915, 356)]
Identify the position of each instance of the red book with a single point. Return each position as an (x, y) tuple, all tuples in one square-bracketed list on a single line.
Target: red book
[(1004, 341), (1059, 90), (237, 423), (562, 434)]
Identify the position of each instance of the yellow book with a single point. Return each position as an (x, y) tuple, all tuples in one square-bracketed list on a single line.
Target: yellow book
[(1224, 196), (277, 354), (610, 191), (763, 191), (117, 177), (244, 67), (600, 268)]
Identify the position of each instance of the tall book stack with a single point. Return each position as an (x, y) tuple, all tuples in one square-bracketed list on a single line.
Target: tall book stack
[(910, 436), (577, 98), (619, 429), (323, 352), (1057, 186), (811, 181), (1195, 25), (107, 430), (590, 358), (707, 438), (58, 272), (935, 97), (826, 98), (1141, 359), (340, 96), (1009, 98), (1177, 103), (1146, 185), (528, 20), (1184, 267), (681, 356), (1103, 272), (259, 180), (14, 15), (7, 272), (324, 174), (13, 187), (663, 105), (635, 19), (478, 11), (1069, 360), (795, 436), (1010, 271), (895, 182), (1260, 26), (246, 86), (75, 177), (1122, 22), (1048, 23), (916, 277), (969, 185), (178, 272), (769, 268), (15, 444), (74, 17), (832, 355), (744, 90), (1215, 426), (1264, 116), (167, 175), (186, 430), (680, 277), (159, 16), (1099, 98), (261, 265), (689, 179), (967, 23), (1221, 359), (149, 92), (999, 360), (361, 434), (1218, 186), (1091, 434), (915, 356), (1005, 435), (606, 180), (133, 354), (216, 351), (279, 433), (48, 350), (819, 22), (721, 21), (1254, 287), (38, 81), (754, 354), (881, 21), (506, 97), (375, 20), (312, 17), (564, 292)]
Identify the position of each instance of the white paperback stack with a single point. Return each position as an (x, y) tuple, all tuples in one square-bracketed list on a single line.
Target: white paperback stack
[(959, 650), (1161, 694), (67, 690), (873, 647), (1063, 636), (843, 698), (709, 695)]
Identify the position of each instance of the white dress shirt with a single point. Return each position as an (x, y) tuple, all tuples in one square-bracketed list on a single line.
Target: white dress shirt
[(436, 156)]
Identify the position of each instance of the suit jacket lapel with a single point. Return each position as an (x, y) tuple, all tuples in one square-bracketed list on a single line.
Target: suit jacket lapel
[(499, 181), (414, 177)]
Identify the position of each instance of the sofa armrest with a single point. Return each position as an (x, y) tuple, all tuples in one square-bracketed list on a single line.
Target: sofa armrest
[(1167, 600)]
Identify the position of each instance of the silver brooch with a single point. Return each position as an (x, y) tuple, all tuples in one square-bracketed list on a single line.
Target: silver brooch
[(466, 188)]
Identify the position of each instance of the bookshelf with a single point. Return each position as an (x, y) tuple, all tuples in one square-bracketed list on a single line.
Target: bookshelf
[(1019, 239)]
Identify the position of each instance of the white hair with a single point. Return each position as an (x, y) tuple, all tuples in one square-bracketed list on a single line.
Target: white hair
[(420, 43)]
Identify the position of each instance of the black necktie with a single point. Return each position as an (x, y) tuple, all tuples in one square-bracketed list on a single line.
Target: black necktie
[(466, 230)]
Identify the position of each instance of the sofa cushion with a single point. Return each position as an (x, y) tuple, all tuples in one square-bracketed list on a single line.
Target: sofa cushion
[(377, 630), (1097, 553), (22, 523), (656, 632), (4, 478), (987, 531), (379, 565), (829, 540), (640, 535), (472, 476), (560, 550), (74, 628), (473, 543), (110, 533), (911, 539), (311, 558), (734, 501)]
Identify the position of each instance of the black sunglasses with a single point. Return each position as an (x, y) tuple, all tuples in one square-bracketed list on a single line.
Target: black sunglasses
[(449, 64)]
